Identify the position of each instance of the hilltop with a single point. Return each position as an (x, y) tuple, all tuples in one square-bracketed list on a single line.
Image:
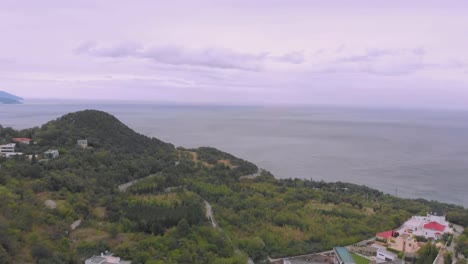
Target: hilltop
[(7, 98), (161, 217), (102, 131)]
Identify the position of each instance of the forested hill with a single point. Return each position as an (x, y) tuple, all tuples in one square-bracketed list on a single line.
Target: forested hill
[(103, 131)]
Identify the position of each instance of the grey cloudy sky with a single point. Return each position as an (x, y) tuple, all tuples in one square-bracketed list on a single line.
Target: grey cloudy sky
[(404, 53)]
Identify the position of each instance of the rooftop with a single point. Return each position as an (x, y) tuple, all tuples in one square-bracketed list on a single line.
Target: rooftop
[(9, 145), (385, 251), (405, 235), (97, 259), (386, 234), (435, 226), (414, 222), (343, 254), (21, 139)]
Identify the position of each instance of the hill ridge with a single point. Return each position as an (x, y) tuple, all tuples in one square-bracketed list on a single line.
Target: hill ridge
[(8, 98)]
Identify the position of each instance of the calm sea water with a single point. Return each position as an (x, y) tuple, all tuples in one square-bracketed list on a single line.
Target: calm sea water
[(414, 153)]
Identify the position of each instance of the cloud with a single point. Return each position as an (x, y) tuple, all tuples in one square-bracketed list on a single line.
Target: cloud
[(379, 61), (399, 61), (210, 57), (220, 58), (177, 55), (374, 61), (368, 55), (6, 61), (127, 49), (295, 57)]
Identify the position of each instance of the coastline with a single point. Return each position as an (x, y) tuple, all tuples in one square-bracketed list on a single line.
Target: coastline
[(304, 144)]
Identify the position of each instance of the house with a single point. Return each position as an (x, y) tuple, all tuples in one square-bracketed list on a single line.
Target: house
[(82, 143), (12, 154), (8, 150), (22, 140), (404, 243), (383, 236), (434, 230), (429, 226), (51, 154), (385, 255), (343, 256), (106, 258)]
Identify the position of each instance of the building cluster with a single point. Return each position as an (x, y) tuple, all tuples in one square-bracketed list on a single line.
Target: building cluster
[(9, 150), (404, 239)]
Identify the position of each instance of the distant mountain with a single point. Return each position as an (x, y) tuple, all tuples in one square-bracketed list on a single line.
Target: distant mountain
[(7, 98)]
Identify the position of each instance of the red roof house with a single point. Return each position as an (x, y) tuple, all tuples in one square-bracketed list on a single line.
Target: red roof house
[(385, 235), (22, 140), (435, 226)]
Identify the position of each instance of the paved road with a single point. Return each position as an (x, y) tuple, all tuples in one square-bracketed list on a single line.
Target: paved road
[(440, 259), (458, 230)]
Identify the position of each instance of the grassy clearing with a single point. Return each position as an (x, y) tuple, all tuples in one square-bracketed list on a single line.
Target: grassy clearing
[(359, 259)]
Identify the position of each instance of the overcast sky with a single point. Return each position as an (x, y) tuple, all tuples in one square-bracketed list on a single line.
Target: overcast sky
[(403, 53)]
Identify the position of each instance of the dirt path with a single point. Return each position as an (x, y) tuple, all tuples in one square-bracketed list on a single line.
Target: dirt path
[(252, 176), (125, 186), (209, 214)]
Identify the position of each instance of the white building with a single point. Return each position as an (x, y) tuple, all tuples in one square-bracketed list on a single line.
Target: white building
[(82, 143), (51, 154), (12, 154), (384, 254), (430, 226), (106, 259), (8, 150)]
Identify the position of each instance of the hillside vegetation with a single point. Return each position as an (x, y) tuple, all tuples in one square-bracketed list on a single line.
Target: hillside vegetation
[(161, 218)]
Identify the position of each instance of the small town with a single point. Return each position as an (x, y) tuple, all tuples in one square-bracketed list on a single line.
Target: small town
[(9, 150)]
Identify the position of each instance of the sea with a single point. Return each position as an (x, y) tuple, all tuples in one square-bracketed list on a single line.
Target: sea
[(411, 153)]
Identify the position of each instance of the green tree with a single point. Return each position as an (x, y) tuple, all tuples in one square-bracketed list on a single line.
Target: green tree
[(4, 258), (427, 254), (448, 258)]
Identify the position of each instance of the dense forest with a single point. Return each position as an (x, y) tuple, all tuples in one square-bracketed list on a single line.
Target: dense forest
[(160, 217)]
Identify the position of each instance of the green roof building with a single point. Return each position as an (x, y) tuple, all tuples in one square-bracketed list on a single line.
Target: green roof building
[(343, 256)]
